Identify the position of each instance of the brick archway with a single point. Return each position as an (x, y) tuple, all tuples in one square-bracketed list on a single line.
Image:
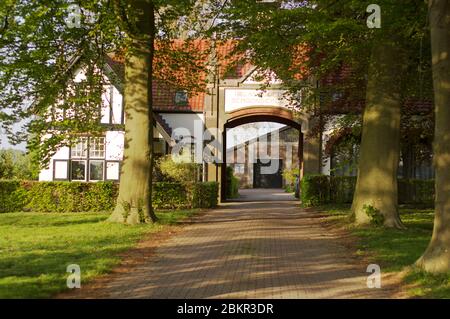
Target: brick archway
[(252, 115), (261, 114)]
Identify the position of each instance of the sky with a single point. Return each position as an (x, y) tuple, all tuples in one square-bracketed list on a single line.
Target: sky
[(4, 143)]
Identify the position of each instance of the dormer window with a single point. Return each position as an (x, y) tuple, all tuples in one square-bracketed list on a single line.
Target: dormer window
[(181, 98)]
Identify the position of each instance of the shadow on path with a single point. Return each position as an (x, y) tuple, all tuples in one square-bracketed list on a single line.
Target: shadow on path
[(270, 249)]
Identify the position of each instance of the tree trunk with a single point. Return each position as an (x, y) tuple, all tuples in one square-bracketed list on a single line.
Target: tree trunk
[(376, 184), (134, 202), (436, 258)]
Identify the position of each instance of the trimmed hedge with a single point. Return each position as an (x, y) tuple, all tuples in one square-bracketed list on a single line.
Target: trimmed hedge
[(232, 184), (63, 197), (416, 192), (342, 189), (12, 196), (205, 195), (315, 190), (101, 196), (321, 189), (170, 196)]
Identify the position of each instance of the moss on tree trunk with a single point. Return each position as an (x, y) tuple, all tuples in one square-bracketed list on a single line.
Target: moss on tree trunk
[(437, 256), (134, 203), (380, 145)]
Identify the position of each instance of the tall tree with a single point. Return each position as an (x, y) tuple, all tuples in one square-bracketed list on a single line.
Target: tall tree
[(376, 184), (437, 256), (134, 202), (334, 34), (38, 59)]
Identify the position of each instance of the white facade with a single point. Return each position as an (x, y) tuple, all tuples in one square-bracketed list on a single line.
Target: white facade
[(99, 158), (240, 98)]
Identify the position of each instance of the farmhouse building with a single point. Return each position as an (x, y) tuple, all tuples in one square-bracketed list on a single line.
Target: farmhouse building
[(230, 100)]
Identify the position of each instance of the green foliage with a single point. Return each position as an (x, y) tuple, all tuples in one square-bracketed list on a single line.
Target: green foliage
[(171, 171), (170, 196), (394, 250), (40, 246), (290, 176), (15, 164), (277, 35), (12, 196), (318, 190), (315, 190), (205, 195), (70, 196), (126, 210), (376, 218), (342, 189), (185, 195), (416, 192), (65, 197), (232, 184)]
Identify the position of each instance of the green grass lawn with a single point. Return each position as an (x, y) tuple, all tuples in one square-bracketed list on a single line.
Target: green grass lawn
[(394, 250), (36, 248)]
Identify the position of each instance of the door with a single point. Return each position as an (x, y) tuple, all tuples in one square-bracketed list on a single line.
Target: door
[(261, 179)]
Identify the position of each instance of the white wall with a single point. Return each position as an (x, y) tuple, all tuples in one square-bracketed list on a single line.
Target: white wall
[(114, 152), (114, 145), (185, 120), (47, 174), (240, 98)]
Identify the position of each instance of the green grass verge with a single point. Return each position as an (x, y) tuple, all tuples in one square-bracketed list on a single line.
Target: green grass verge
[(36, 248), (394, 250)]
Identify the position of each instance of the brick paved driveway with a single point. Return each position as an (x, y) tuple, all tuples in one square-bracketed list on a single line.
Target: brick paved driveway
[(256, 249)]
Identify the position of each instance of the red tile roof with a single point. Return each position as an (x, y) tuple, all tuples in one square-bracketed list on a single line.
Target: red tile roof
[(181, 66)]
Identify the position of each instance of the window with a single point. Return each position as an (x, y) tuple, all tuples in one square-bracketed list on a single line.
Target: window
[(159, 145), (79, 150), (78, 170), (181, 98), (60, 170), (87, 160), (96, 170), (97, 147)]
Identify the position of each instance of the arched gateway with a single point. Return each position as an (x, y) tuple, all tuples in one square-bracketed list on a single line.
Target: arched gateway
[(242, 101)]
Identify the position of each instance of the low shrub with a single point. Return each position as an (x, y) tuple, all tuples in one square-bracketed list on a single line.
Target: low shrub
[(12, 196), (376, 218), (171, 171), (62, 197), (170, 196), (315, 190), (416, 192), (205, 195), (342, 189), (290, 176), (65, 197), (320, 189), (232, 184)]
